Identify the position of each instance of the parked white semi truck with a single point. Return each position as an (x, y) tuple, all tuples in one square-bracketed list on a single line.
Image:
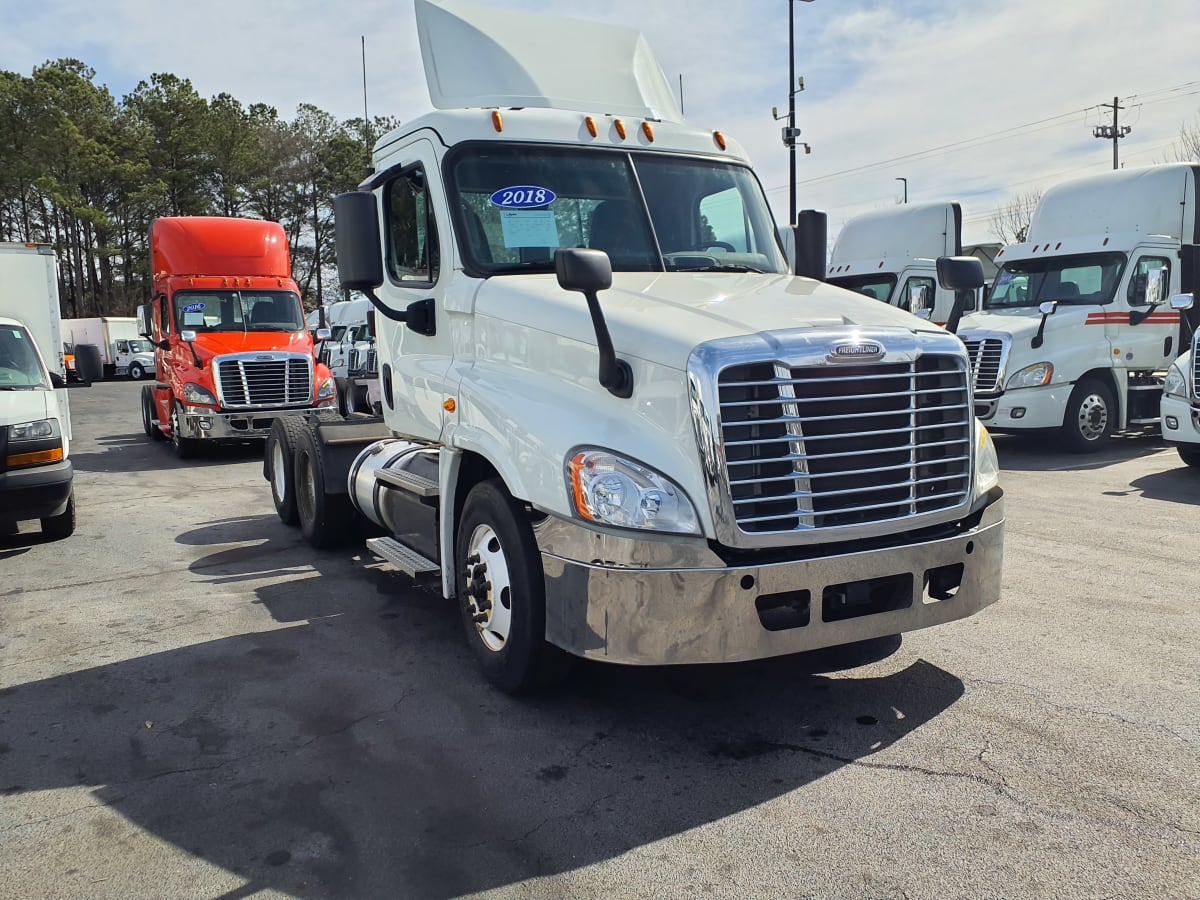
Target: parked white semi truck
[(36, 473), (1079, 326), (614, 424), (1180, 407), (891, 255)]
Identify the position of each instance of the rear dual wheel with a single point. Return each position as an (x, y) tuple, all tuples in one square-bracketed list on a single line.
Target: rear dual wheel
[(325, 519), (279, 466)]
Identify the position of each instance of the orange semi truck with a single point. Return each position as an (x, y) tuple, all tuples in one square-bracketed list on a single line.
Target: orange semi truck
[(232, 352)]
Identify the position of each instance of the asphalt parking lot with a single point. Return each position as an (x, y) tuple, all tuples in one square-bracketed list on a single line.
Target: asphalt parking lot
[(194, 704)]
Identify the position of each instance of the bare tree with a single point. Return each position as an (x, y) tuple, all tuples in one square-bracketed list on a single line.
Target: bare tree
[(1188, 147), (1010, 222)]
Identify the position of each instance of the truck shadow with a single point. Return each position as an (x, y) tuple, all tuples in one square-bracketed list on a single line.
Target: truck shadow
[(135, 452), (1178, 485), (1041, 452), (361, 754)]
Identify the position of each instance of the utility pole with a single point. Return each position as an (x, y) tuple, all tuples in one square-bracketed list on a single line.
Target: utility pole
[(1113, 132), (791, 132)]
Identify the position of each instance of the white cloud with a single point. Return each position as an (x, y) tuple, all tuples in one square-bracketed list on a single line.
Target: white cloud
[(883, 80)]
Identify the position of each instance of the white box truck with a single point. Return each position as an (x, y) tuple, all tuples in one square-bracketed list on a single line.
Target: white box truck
[(35, 424), (122, 350), (891, 255), (614, 424), (1078, 328)]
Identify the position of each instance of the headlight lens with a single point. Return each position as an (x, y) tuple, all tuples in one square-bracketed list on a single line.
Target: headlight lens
[(1032, 376), (1176, 383), (987, 462), (612, 490), (327, 389), (32, 431), (198, 396)]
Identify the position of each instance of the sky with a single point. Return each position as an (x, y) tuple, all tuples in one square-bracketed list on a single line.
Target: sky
[(967, 101)]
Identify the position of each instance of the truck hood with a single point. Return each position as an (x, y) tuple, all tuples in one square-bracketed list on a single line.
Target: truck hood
[(218, 343), (1020, 323), (26, 406), (661, 317)]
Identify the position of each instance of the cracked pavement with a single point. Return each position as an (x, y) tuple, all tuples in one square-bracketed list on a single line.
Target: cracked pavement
[(193, 704)]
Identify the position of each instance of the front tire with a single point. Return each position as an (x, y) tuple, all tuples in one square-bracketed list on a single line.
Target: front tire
[(136, 372), (185, 448), (502, 594), (63, 525), (150, 414), (1090, 417), (279, 466), (326, 520), (1189, 456)]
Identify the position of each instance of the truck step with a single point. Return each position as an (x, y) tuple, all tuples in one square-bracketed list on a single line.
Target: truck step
[(408, 481), (406, 560), (1151, 420)]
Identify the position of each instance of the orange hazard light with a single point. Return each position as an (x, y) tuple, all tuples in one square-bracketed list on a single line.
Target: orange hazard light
[(17, 460)]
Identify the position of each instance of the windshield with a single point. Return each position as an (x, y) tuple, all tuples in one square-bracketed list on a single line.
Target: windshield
[(650, 213), (1083, 279), (878, 286), (20, 367), (238, 311), (140, 347)]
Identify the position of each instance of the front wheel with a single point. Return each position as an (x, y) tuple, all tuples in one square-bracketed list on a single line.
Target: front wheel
[(1091, 416), (185, 448), (502, 594), (1189, 456), (63, 525), (136, 372)]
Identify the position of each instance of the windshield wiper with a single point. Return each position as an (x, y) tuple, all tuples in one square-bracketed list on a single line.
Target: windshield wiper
[(723, 267), (544, 265)]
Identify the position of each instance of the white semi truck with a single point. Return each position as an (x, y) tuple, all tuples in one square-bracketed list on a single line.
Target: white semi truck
[(122, 350), (1180, 406), (36, 472), (614, 424), (891, 255), (1079, 326)]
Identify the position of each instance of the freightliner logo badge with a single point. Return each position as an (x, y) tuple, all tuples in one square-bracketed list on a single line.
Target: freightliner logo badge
[(855, 351)]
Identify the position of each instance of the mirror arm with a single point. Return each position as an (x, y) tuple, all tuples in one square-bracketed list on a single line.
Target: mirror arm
[(615, 374), (1037, 338), (956, 313)]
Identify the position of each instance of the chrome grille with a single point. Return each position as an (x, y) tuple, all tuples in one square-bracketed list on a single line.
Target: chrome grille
[(987, 358), (254, 383), (838, 445), (372, 362)]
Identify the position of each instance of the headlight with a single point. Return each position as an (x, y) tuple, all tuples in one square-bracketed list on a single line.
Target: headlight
[(1176, 383), (32, 431), (198, 396), (1032, 376), (611, 490), (987, 463), (327, 389)]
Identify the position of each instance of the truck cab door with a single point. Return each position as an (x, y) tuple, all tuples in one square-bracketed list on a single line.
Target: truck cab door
[(415, 357), (1150, 340)]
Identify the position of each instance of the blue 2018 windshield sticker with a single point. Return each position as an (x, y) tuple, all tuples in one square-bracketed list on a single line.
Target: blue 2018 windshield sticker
[(523, 196), (194, 307)]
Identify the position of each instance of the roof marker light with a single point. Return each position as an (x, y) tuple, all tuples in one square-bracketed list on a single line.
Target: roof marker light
[(1058, 246), (497, 122), (719, 140), (620, 126), (591, 126), (648, 131), (1105, 244)]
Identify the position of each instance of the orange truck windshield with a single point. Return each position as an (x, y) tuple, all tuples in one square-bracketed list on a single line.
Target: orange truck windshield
[(238, 311)]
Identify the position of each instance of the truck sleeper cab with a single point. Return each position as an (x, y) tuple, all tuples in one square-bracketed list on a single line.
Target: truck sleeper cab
[(615, 425), (233, 352)]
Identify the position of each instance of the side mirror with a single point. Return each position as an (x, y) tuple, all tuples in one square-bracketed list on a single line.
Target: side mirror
[(1048, 307), (188, 336), (356, 231), (57, 380), (918, 300), (583, 270), (960, 273), (1156, 287), (811, 240), (143, 321), (924, 313), (323, 334), (164, 344), (1182, 301)]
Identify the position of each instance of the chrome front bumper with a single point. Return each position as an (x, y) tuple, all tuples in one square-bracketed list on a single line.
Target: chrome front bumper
[(200, 423), (656, 602)]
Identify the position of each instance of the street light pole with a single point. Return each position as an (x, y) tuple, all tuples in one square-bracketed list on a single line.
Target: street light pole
[(791, 142), (905, 180)]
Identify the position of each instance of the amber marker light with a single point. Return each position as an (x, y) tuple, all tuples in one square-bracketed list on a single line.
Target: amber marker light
[(497, 121), (449, 405), (17, 460), (719, 140), (648, 131), (620, 126), (591, 126), (576, 466)]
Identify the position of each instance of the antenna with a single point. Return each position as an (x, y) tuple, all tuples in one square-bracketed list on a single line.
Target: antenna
[(681, 93)]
